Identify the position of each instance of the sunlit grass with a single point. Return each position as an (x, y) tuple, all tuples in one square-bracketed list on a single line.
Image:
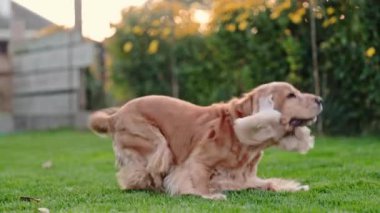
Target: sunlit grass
[(344, 176)]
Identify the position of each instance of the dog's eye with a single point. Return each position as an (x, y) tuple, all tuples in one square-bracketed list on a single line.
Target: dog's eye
[(291, 95)]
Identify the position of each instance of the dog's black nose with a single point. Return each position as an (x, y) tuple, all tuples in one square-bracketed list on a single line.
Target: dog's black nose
[(319, 100)]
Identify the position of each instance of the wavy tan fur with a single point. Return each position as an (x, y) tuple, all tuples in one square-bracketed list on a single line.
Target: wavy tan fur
[(166, 143)]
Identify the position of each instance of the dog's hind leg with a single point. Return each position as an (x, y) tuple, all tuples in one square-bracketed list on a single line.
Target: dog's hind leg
[(132, 173), (149, 146), (160, 161)]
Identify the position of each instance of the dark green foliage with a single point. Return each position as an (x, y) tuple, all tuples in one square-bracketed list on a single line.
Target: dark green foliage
[(222, 64), (352, 80)]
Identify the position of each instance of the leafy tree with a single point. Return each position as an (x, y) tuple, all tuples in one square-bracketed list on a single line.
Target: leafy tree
[(250, 42)]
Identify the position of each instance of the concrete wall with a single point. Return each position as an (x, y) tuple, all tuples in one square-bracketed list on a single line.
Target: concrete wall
[(5, 83), (6, 119), (6, 123), (46, 80)]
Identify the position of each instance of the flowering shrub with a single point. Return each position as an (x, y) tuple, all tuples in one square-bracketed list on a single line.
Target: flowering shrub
[(249, 42)]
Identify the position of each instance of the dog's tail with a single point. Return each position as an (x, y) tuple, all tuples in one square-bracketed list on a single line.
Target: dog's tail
[(99, 121)]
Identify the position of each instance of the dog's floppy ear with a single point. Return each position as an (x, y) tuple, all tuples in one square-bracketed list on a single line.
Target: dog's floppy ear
[(266, 103), (249, 103)]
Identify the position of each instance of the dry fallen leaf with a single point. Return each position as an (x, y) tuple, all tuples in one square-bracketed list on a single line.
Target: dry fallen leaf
[(44, 210), (47, 165), (29, 199)]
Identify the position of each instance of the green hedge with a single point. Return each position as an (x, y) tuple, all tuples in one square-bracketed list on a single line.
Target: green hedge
[(222, 63)]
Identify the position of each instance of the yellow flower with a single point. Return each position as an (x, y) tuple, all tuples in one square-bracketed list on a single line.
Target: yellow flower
[(333, 20), (287, 32), (137, 30), (287, 4), (277, 10), (128, 46), (296, 17), (242, 17), (153, 46), (165, 32), (330, 11), (275, 14), (370, 52), (156, 23), (243, 25), (230, 27), (329, 22), (325, 23)]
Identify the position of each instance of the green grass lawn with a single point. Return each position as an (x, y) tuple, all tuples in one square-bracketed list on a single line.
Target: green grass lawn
[(343, 173)]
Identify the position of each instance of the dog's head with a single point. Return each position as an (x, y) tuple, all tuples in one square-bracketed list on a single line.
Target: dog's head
[(297, 108)]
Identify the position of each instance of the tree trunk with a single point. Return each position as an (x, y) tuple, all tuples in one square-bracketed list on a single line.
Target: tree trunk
[(172, 60), (314, 52)]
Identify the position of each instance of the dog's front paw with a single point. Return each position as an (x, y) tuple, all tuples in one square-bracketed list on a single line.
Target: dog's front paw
[(216, 196)]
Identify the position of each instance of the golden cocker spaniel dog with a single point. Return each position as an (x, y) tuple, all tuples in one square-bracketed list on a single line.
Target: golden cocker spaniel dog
[(166, 143)]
